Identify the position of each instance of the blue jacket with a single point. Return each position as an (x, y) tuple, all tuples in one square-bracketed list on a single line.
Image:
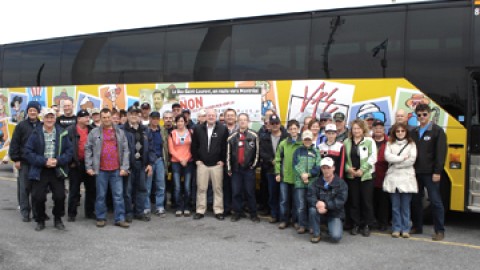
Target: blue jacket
[(35, 149), (148, 155)]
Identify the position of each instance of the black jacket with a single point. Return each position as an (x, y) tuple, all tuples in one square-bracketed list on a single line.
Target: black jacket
[(334, 196), (267, 153), (251, 154), (75, 139), (218, 144), (431, 149), (19, 139)]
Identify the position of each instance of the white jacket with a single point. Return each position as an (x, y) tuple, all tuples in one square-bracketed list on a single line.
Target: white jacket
[(401, 173)]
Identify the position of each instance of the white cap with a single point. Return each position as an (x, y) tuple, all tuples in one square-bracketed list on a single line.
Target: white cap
[(47, 111), (307, 134), (327, 161), (330, 127)]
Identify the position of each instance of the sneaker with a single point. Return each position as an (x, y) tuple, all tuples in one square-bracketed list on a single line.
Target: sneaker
[(273, 220), (142, 217), (282, 225), (178, 213), (366, 231), (301, 230), (395, 234), (255, 219), (122, 224), (40, 226), (186, 213), (405, 235), (355, 230), (161, 213), (439, 236), (101, 223), (59, 224), (315, 239)]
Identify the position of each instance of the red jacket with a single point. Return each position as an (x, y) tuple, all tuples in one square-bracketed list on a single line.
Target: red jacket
[(381, 166)]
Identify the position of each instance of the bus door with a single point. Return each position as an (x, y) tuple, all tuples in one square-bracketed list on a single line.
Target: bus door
[(473, 190)]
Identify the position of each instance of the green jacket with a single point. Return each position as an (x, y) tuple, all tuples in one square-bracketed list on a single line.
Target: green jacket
[(306, 160), (284, 159), (368, 157)]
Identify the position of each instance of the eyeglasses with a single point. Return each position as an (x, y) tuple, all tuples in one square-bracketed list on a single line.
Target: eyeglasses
[(422, 114), (400, 131)]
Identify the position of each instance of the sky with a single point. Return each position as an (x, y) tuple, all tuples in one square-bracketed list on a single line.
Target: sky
[(25, 20)]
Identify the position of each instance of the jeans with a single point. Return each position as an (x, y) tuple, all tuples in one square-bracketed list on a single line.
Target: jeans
[(104, 179), (244, 180), (182, 202), (401, 211), (433, 189), (39, 194), (77, 175), (24, 188), (335, 227), (301, 206), (158, 177), (287, 207), (273, 194), (136, 190)]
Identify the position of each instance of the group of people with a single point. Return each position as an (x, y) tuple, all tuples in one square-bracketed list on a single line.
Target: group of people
[(321, 172)]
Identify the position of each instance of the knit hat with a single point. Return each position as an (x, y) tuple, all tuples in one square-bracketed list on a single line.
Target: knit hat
[(34, 104)]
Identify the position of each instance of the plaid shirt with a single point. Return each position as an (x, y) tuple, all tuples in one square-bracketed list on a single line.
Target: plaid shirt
[(49, 143)]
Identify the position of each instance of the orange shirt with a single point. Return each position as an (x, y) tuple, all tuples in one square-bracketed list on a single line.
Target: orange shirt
[(179, 145)]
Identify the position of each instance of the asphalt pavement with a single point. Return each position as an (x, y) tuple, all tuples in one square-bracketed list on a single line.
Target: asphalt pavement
[(184, 243)]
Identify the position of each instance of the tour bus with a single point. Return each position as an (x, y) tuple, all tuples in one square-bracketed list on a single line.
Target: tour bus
[(362, 60)]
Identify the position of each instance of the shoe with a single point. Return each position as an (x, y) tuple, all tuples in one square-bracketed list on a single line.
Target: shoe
[(227, 213), (47, 218), (235, 218), (405, 235), (186, 213), (296, 226), (301, 230), (26, 219), (101, 223), (71, 219), (128, 219), (198, 216), (396, 234), (366, 231), (255, 219), (122, 224), (91, 216), (161, 213), (178, 213), (282, 225), (315, 239), (382, 228), (59, 224), (219, 216), (415, 231), (355, 230), (439, 236), (142, 217), (40, 226), (273, 220)]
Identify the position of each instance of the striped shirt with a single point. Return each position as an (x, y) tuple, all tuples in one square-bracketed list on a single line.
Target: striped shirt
[(49, 143)]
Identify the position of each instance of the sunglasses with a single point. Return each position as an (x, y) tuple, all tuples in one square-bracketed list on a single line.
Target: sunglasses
[(422, 114)]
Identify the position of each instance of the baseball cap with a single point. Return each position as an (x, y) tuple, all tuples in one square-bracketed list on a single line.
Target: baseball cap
[(330, 127), (378, 123), (186, 111), (48, 111), (134, 108), (82, 113), (325, 115), (155, 115), (95, 111), (145, 105), (274, 119), (34, 104), (327, 161), (307, 134), (339, 116)]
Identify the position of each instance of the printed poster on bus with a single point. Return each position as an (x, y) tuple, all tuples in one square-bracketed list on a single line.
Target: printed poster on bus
[(4, 108), (243, 100), (311, 98)]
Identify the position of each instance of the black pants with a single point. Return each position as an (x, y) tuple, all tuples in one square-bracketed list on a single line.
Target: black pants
[(48, 179), (78, 175), (381, 202), (360, 196)]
